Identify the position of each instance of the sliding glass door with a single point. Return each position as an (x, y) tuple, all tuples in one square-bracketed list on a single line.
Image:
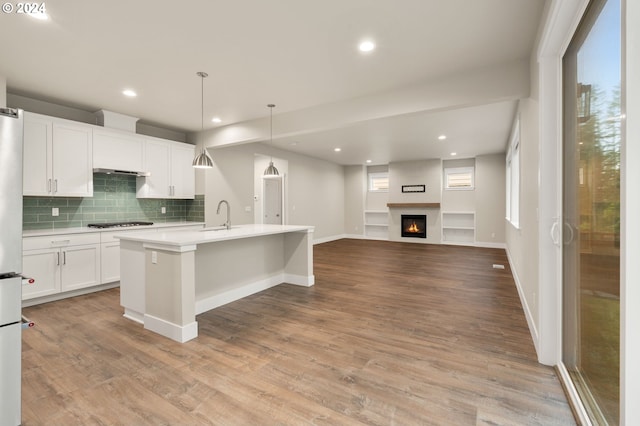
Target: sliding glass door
[(591, 210)]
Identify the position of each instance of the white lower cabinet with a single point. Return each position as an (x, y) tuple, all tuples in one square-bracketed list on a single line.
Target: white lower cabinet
[(66, 262), (60, 263), (42, 265), (110, 262)]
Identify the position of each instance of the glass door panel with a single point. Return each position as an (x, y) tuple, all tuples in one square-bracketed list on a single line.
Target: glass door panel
[(591, 210)]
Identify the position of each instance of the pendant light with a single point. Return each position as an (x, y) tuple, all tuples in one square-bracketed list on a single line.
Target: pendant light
[(271, 170), (202, 160)]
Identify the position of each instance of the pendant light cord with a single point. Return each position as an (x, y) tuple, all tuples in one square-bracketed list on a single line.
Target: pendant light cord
[(271, 128), (201, 101)]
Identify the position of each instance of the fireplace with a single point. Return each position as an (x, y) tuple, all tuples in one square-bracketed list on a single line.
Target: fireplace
[(413, 225)]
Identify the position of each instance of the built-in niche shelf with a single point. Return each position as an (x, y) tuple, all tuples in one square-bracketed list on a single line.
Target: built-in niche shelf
[(376, 224), (458, 228)]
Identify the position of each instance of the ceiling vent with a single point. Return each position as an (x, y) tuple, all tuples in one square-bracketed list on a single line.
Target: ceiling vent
[(114, 120)]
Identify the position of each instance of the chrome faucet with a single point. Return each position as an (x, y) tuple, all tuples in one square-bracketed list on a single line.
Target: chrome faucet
[(227, 224)]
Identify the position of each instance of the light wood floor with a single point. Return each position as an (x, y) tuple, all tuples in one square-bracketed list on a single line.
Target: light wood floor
[(391, 334)]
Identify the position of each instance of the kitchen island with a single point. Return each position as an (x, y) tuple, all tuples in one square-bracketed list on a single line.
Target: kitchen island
[(167, 278)]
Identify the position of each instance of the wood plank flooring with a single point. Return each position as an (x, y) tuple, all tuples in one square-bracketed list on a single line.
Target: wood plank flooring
[(391, 334)]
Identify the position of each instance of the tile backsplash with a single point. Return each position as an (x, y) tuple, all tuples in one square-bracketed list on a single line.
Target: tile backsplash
[(114, 200)]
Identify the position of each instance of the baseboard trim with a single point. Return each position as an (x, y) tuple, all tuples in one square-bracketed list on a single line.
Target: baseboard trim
[(179, 333), (525, 306), (487, 244), (67, 294), (211, 302), (329, 239)]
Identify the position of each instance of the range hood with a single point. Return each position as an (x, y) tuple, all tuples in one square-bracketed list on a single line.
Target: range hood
[(121, 172)]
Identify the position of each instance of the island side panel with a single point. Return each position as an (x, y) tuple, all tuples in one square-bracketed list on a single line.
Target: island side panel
[(170, 293), (132, 280), (230, 270), (298, 253)]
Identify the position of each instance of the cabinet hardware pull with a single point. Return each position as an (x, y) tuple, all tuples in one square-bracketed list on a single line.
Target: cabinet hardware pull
[(60, 241), (48, 185), (64, 257), (55, 186), (58, 259)]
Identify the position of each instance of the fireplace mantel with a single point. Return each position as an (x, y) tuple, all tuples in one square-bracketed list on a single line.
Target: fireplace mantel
[(414, 205)]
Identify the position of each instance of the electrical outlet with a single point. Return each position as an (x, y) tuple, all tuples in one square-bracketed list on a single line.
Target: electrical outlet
[(154, 257), (493, 235), (163, 210), (55, 211), (247, 209)]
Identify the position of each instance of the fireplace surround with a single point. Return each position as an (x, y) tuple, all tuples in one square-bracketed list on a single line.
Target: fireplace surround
[(413, 226)]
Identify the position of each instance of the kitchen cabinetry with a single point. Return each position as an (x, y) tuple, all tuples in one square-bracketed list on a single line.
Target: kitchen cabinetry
[(376, 224), (117, 150), (58, 157), (60, 263), (172, 175), (458, 228)]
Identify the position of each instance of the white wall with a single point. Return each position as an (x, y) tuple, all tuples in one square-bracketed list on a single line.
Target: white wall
[(459, 200), (423, 172), (490, 200), (375, 200), (315, 188), (522, 242), (354, 196)]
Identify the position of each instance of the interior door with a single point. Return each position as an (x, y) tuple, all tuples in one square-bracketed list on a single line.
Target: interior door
[(591, 210), (272, 199)]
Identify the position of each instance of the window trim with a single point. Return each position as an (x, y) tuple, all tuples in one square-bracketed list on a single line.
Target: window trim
[(460, 170), (372, 176), (513, 176)]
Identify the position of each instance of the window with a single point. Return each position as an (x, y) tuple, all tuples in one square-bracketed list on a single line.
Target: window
[(379, 182), (458, 178), (513, 177)]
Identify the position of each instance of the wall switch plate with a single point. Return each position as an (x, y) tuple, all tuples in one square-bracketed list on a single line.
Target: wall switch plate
[(154, 257), (247, 209), (163, 210), (55, 211)]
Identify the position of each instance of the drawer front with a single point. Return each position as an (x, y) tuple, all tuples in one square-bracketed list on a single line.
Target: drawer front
[(64, 240)]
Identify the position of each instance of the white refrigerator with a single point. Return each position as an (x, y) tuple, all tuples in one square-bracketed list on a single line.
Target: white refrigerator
[(11, 130)]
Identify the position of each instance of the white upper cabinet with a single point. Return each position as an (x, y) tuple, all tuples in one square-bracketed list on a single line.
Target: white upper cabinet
[(118, 150), (58, 157), (169, 164), (38, 144), (183, 176)]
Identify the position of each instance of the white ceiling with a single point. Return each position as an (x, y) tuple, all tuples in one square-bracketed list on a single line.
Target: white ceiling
[(298, 54)]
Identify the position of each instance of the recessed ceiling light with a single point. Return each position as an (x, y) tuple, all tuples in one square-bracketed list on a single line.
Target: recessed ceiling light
[(366, 46), (453, 154), (216, 120), (337, 149), (442, 137), (129, 93), (368, 161), (293, 144)]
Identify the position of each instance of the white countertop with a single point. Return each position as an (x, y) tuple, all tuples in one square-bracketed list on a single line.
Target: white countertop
[(210, 235), (86, 229)]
